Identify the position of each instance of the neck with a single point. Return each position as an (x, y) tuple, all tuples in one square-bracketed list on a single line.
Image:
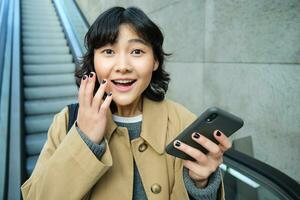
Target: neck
[(134, 109)]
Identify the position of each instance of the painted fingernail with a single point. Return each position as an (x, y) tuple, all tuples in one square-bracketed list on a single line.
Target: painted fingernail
[(218, 133), (109, 94), (103, 81), (84, 77), (91, 74), (177, 143), (196, 135)]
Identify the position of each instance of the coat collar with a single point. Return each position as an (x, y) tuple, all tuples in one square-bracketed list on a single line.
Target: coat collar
[(154, 125)]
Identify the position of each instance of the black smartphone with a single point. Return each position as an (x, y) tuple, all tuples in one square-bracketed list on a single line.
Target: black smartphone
[(212, 119)]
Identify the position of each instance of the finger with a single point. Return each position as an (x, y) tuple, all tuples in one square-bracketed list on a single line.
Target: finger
[(99, 96), (191, 151), (224, 141), (89, 90), (82, 87), (211, 147), (105, 105)]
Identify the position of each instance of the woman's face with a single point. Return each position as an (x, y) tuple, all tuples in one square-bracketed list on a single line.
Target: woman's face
[(127, 65)]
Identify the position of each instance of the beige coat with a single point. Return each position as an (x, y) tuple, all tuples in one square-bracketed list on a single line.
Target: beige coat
[(67, 169)]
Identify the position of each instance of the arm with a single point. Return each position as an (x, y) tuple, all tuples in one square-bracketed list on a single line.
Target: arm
[(209, 192), (66, 168), (97, 149)]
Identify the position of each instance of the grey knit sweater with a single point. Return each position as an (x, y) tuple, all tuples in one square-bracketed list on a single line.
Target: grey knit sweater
[(134, 129)]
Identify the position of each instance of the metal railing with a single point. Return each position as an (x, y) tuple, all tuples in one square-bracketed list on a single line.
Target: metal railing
[(6, 21), (266, 181), (73, 38), (15, 162)]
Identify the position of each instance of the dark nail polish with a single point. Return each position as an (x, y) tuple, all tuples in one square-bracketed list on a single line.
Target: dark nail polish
[(177, 144), (91, 75), (84, 77), (103, 81), (196, 135), (218, 133), (109, 94)]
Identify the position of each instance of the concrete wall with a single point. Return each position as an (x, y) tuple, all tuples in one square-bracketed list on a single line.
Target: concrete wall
[(241, 55)]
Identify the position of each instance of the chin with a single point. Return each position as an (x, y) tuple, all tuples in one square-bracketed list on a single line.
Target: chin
[(124, 101)]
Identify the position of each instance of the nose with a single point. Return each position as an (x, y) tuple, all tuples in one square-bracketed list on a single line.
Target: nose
[(122, 64)]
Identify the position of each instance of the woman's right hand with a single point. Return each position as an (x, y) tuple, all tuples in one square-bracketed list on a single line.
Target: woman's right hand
[(92, 112)]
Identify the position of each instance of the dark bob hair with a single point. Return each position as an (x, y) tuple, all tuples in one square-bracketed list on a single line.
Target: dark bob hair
[(105, 31)]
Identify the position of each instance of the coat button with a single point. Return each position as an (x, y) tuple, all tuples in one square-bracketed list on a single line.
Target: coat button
[(155, 188), (143, 147)]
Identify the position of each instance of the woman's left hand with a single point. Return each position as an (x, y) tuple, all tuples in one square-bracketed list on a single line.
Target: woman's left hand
[(204, 165)]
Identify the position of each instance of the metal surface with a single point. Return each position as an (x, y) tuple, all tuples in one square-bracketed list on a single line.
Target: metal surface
[(5, 97), (15, 143)]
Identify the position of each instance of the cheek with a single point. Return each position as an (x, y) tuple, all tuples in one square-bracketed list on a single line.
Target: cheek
[(144, 67), (146, 75), (101, 68)]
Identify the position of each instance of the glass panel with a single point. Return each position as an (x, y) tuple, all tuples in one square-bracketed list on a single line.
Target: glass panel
[(76, 21), (240, 186)]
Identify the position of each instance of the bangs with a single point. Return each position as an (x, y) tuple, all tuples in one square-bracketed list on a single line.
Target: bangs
[(105, 29)]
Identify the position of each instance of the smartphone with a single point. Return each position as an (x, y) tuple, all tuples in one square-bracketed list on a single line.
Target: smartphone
[(212, 119)]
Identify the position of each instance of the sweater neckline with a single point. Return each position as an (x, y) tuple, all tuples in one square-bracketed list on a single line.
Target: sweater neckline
[(134, 119)]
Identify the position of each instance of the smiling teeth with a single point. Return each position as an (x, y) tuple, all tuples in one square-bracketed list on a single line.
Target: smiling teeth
[(123, 81)]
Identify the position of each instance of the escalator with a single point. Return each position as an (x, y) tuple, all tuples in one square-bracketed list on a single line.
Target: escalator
[(49, 35), (48, 73)]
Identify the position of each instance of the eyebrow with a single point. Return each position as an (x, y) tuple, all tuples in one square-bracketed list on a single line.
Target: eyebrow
[(137, 41)]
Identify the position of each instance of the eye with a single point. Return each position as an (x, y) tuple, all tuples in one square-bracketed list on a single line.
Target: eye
[(108, 52), (137, 52)]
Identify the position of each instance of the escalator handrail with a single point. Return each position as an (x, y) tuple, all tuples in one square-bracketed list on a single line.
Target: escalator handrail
[(6, 31), (283, 181), (3, 29), (69, 32), (15, 172)]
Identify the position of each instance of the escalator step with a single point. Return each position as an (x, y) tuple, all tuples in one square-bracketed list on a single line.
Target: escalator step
[(40, 19), (36, 6), (37, 107), (44, 42), (50, 92), (42, 28), (41, 15), (39, 32), (43, 50), (38, 123), (30, 163), (48, 68), (47, 59), (29, 27), (38, 3), (39, 23), (47, 13), (49, 80), (50, 35), (34, 143)]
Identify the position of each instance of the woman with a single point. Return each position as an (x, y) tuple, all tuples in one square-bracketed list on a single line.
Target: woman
[(116, 148)]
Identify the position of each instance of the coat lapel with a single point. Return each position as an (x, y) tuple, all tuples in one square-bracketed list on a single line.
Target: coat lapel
[(154, 126)]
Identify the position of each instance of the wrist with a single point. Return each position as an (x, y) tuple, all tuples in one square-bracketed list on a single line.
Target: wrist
[(96, 139)]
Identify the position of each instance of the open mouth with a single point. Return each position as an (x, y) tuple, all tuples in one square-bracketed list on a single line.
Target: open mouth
[(124, 83)]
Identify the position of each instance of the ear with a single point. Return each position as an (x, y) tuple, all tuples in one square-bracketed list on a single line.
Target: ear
[(156, 64)]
